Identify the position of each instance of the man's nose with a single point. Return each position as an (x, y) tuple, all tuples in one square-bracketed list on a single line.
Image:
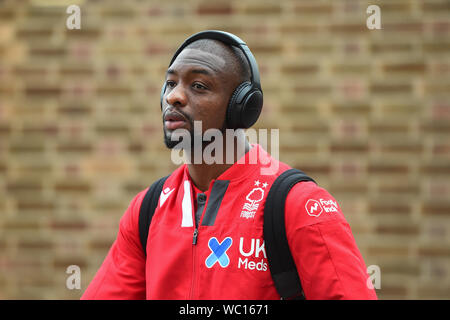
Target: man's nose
[(176, 96)]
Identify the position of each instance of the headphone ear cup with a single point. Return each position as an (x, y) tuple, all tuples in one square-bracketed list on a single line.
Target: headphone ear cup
[(252, 108), (163, 90), (244, 107), (234, 108)]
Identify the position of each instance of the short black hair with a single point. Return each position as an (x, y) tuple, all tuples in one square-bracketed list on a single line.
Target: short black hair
[(234, 57)]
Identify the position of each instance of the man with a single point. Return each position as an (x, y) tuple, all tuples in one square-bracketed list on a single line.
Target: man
[(205, 239)]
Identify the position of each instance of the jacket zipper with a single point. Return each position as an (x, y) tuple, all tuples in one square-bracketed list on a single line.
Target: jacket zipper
[(194, 249), (194, 262), (194, 238)]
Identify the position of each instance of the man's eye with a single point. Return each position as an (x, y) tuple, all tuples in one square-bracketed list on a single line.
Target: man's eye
[(170, 83), (199, 86)]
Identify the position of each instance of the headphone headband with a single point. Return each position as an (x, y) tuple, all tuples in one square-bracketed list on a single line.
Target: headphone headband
[(229, 39)]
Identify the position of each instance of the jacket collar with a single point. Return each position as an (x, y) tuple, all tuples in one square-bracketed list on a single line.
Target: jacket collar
[(254, 159)]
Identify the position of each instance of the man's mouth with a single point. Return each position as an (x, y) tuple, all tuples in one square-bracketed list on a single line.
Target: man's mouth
[(174, 120)]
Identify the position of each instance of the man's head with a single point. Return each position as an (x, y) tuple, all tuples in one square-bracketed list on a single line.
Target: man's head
[(199, 84)]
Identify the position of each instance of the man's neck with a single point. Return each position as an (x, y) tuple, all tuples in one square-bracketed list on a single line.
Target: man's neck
[(202, 173)]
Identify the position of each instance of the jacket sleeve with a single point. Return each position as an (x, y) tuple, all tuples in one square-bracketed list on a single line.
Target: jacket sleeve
[(122, 274), (328, 261)]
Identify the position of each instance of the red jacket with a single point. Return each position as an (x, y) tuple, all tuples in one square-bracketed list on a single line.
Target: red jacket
[(224, 256)]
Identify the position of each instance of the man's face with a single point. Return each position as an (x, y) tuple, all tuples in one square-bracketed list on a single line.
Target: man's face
[(198, 88)]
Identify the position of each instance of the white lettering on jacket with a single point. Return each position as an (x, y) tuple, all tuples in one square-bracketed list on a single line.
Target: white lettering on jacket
[(256, 251)]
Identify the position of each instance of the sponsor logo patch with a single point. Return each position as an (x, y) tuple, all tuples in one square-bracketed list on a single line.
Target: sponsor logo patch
[(218, 252), (315, 207), (252, 254)]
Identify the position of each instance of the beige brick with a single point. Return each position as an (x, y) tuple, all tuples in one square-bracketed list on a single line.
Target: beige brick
[(364, 112)]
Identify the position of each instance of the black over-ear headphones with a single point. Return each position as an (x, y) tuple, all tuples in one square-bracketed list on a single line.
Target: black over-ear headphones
[(246, 101)]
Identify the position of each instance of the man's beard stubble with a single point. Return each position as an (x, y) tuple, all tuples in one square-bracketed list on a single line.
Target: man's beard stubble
[(176, 140), (172, 142)]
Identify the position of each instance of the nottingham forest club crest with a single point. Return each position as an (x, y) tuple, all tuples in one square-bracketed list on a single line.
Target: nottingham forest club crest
[(253, 199)]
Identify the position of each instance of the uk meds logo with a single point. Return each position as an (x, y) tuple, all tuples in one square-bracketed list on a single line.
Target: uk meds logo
[(218, 252)]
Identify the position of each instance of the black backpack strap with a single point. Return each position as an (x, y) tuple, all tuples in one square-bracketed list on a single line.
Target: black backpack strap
[(148, 207), (281, 264)]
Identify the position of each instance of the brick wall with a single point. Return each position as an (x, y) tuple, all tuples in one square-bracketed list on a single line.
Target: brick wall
[(365, 112)]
